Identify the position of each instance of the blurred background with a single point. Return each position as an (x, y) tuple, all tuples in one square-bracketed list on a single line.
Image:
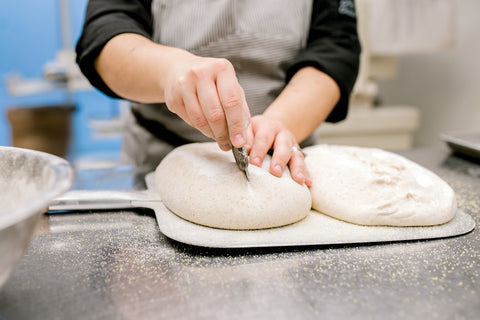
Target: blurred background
[(40, 81), (420, 77)]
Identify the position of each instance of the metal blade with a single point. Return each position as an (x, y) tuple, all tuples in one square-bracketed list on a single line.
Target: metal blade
[(241, 158)]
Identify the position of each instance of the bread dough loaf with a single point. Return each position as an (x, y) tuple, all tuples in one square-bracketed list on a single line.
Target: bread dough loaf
[(374, 187), (202, 184)]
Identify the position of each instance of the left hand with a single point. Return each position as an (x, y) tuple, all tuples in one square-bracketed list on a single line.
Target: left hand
[(264, 134)]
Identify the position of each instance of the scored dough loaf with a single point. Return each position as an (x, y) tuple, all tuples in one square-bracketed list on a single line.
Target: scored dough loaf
[(202, 184), (371, 186)]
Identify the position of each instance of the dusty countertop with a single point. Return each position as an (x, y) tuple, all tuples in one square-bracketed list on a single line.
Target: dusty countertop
[(117, 265)]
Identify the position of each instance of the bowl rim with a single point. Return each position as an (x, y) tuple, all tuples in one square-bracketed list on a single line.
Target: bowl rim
[(64, 178)]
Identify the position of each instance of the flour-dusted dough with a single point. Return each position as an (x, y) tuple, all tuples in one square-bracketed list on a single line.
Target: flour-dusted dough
[(375, 187), (202, 184)]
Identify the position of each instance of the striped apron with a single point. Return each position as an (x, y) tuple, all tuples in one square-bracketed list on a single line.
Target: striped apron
[(259, 37)]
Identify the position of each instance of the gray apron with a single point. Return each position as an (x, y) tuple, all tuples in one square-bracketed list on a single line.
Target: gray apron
[(259, 37)]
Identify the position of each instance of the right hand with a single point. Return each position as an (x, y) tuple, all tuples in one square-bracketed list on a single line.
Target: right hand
[(206, 94)]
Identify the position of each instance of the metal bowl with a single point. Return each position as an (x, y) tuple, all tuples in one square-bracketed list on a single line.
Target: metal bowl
[(29, 180)]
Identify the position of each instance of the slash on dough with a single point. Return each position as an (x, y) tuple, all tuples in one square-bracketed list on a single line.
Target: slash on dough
[(202, 184)]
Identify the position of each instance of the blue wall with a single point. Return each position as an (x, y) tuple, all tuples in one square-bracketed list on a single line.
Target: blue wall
[(30, 37)]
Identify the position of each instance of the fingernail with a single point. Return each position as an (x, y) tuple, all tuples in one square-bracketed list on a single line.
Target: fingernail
[(300, 178), (238, 140), (278, 169), (256, 161), (224, 146)]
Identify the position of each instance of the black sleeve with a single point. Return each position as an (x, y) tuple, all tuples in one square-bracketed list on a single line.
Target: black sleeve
[(332, 47), (104, 19)]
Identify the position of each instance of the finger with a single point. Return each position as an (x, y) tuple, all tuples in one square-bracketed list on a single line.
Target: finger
[(282, 152), (213, 111), (195, 114), (263, 141), (174, 100), (250, 138), (298, 169), (181, 111), (234, 105)]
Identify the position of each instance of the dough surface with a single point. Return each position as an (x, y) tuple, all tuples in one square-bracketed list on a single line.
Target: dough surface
[(370, 186), (202, 184)]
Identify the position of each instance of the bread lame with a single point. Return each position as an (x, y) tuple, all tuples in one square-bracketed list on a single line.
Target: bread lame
[(241, 158)]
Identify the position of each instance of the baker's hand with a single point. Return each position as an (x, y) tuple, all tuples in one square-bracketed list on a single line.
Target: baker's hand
[(265, 134), (206, 94)]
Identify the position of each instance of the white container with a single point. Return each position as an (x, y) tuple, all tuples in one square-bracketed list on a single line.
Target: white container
[(389, 127)]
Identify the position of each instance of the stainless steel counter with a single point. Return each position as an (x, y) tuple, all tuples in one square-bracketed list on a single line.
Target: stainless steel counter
[(116, 265)]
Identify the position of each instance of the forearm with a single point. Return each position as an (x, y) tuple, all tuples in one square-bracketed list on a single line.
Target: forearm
[(135, 68), (203, 91), (305, 102)]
